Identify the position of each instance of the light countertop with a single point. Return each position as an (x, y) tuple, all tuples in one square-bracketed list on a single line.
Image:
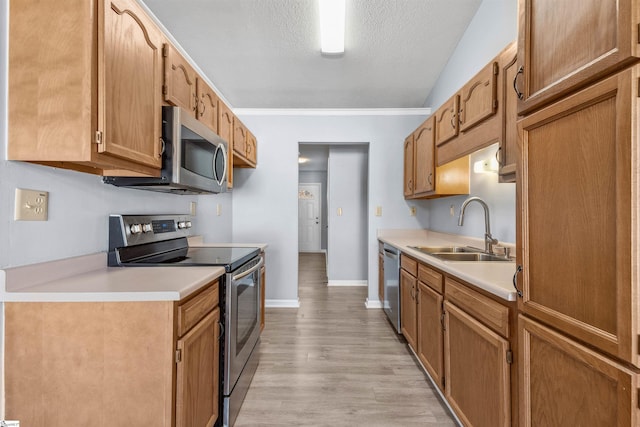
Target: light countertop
[(494, 277)]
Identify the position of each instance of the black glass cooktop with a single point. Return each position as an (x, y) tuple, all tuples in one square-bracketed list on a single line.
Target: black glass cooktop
[(228, 257)]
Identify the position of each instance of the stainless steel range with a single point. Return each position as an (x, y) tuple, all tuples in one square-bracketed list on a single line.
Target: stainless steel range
[(161, 240)]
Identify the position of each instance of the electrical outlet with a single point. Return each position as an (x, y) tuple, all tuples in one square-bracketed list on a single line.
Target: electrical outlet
[(339, 211), (412, 211), (31, 205), (192, 208), (218, 209), (452, 210), (378, 210)]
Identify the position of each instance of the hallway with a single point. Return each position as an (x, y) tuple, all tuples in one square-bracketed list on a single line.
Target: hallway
[(332, 362)]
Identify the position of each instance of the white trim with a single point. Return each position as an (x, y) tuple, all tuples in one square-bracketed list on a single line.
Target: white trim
[(373, 304), (332, 111), (282, 303), (348, 283)]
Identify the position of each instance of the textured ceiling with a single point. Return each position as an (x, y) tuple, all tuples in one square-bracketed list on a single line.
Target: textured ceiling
[(266, 53)]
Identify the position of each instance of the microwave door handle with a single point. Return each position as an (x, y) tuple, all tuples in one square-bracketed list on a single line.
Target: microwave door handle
[(248, 272), (220, 180)]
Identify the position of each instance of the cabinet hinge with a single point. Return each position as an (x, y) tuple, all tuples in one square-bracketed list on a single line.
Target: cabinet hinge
[(509, 357), (165, 50), (495, 104), (164, 89), (444, 382), (98, 137), (496, 69), (178, 356)]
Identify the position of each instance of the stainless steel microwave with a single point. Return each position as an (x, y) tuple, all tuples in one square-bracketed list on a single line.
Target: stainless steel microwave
[(194, 159)]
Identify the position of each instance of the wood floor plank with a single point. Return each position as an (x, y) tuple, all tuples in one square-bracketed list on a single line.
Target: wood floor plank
[(332, 362)]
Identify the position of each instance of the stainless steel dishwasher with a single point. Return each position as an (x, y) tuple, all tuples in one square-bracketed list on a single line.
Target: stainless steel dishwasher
[(391, 302)]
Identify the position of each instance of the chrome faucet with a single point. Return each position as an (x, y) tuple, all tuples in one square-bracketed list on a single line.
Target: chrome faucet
[(489, 241)]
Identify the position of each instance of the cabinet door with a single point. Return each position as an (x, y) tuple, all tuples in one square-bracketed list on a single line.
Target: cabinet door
[(424, 162), (578, 203), (408, 166), (446, 121), (408, 307), (477, 379), (197, 376), (129, 83), (225, 130), (564, 383), (207, 105), (251, 152), (508, 152), (239, 138), (179, 80), (430, 337), (478, 98), (263, 288), (381, 278), (563, 45)]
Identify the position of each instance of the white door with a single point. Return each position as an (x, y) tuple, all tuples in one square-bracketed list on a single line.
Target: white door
[(309, 221)]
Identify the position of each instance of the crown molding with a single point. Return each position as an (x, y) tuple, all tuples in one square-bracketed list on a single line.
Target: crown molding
[(332, 111)]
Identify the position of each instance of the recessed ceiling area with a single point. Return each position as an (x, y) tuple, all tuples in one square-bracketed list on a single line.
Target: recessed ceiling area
[(266, 53)]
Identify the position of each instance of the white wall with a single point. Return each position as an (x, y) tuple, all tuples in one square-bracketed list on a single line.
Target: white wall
[(265, 208), (493, 27), (347, 246)]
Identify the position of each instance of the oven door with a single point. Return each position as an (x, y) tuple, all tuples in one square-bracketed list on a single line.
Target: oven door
[(242, 319)]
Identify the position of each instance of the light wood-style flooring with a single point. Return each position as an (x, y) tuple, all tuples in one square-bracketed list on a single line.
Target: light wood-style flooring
[(333, 362)]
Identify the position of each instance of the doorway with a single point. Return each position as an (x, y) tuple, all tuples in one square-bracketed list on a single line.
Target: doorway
[(342, 172)]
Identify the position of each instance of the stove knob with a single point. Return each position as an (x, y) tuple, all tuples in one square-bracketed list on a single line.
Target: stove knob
[(182, 224), (135, 229), (188, 224), (146, 228)]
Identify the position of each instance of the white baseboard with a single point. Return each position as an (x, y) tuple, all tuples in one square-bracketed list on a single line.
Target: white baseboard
[(282, 303), (347, 283), (372, 304)]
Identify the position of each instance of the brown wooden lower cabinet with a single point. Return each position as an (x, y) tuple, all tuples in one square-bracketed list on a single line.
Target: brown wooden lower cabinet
[(430, 334), (408, 320), (152, 363), (565, 383), (477, 378)]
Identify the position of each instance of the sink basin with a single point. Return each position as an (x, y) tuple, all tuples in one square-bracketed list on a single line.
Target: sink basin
[(469, 256), (444, 249)]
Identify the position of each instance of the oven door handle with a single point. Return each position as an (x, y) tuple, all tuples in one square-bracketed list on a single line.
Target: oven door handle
[(248, 272)]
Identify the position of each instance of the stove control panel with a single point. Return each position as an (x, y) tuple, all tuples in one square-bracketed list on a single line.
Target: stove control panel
[(129, 230)]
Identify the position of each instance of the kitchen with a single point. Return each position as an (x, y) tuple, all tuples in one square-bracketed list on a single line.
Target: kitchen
[(80, 203)]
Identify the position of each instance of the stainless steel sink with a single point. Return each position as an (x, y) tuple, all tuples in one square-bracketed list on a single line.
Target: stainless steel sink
[(458, 253), (469, 256), (444, 249)]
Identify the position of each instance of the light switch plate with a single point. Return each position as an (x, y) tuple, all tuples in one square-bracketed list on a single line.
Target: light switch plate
[(378, 210), (192, 208), (31, 205), (412, 211)]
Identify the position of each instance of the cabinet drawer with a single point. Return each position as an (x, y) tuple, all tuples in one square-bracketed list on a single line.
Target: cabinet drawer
[(488, 311), (430, 277), (409, 264), (196, 308)]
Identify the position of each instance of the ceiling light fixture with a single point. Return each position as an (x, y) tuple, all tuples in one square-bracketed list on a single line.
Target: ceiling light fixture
[(332, 15)]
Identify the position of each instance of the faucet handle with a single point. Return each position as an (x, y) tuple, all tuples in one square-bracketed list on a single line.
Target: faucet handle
[(502, 251)]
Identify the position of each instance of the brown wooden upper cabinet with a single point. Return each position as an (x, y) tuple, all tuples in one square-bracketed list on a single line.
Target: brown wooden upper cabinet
[(408, 166), (244, 145), (486, 114), (478, 98), (565, 45), (446, 120), (183, 87), (508, 152), (422, 179), (579, 206), (98, 80)]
